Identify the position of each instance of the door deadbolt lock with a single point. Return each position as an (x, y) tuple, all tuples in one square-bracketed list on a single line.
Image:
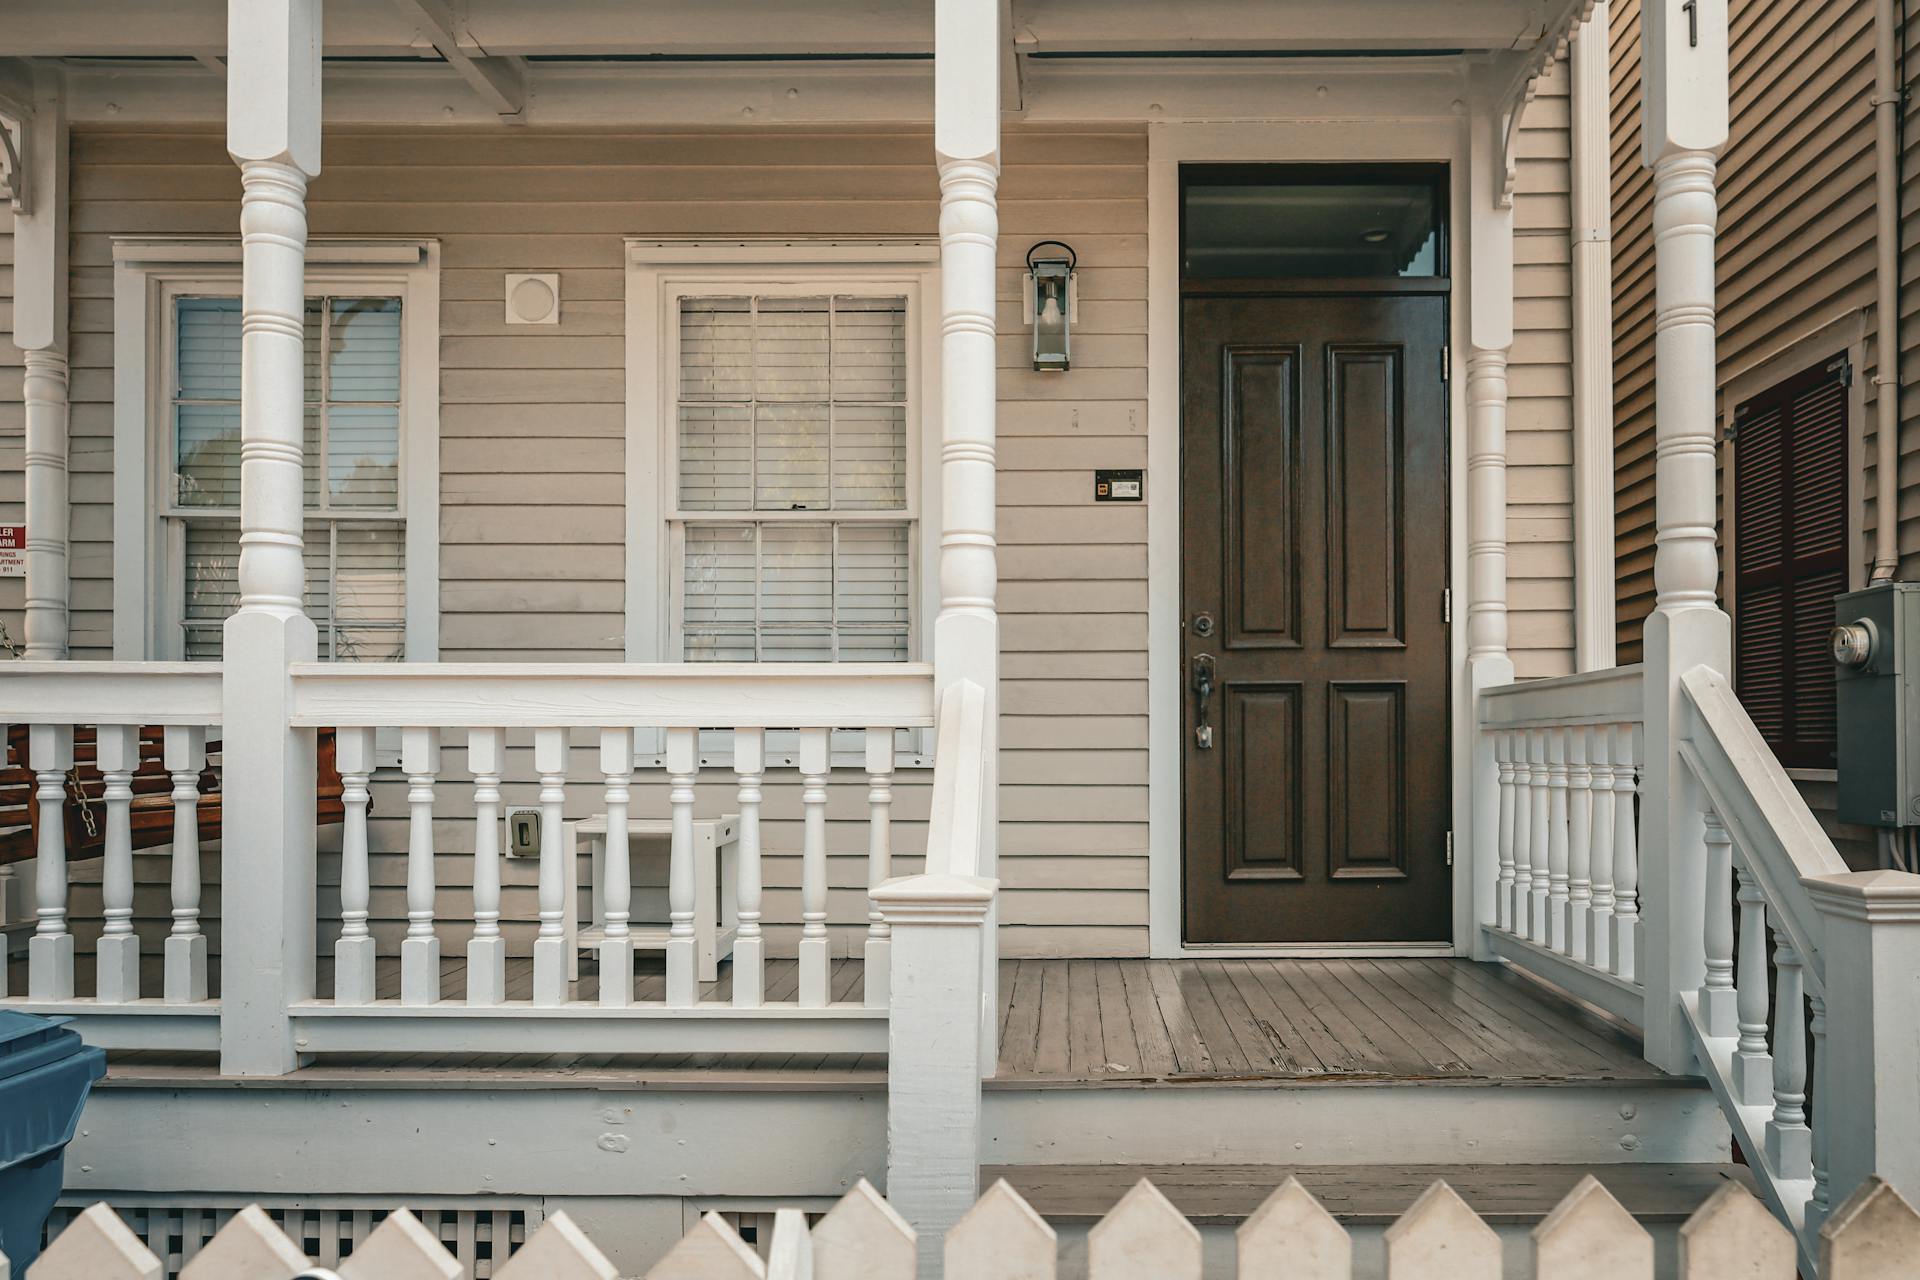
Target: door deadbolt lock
[(1203, 624)]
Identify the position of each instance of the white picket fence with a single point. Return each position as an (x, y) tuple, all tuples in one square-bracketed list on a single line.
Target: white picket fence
[(1875, 1235)]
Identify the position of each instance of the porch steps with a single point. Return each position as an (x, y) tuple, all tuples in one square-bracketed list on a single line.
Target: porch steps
[(1366, 1199)]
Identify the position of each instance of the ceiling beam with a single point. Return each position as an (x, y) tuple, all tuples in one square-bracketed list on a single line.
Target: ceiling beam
[(500, 82)]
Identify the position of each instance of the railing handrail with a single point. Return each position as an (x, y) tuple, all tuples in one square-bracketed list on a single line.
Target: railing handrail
[(550, 695), (110, 693), (1776, 835), (1609, 696), (954, 824)]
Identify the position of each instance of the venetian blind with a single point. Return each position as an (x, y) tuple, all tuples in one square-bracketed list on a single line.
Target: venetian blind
[(794, 536), (355, 536), (1790, 560)]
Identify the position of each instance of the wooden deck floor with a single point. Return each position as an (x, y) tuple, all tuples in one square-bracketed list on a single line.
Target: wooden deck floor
[(1120, 1023)]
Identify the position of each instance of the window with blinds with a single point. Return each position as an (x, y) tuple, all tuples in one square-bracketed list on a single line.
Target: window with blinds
[(793, 519), (355, 532), (1790, 559)]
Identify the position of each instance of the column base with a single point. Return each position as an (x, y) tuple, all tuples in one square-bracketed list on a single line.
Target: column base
[(683, 987), (815, 987), (486, 971), (749, 973), (353, 971), (549, 972), (1753, 1079), (1579, 931), (420, 971), (186, 968), (50, 966), (117, 968), (616, 972), (879, 978), (1790, 1151)]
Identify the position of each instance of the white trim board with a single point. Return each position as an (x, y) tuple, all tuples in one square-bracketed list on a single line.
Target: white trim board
[(143, 271), (1415, 139)]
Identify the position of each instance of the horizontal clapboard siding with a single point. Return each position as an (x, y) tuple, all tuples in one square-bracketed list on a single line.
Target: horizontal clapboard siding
[(533, 455)]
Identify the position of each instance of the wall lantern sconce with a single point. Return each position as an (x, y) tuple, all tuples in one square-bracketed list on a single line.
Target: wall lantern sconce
[(1051, 304)]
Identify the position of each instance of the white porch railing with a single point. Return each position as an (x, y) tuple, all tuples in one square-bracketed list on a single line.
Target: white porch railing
[(1763, 907), (1567, 753)]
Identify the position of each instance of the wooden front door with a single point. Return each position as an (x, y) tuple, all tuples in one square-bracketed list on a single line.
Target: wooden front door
[(1314, 637)]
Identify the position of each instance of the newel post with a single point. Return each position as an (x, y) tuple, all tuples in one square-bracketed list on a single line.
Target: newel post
[(1684, 79), (966, 634), (267, 857), (1869, 1065), (1490, 332), (939, 926), (40, 331)]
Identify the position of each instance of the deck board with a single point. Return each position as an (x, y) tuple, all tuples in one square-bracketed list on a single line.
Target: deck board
[(1092, 1021)]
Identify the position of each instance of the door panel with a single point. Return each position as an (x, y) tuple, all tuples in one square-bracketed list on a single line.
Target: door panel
[(1314, 553)]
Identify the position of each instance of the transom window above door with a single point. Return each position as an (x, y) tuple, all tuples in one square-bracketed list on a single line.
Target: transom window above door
[(793, 512)]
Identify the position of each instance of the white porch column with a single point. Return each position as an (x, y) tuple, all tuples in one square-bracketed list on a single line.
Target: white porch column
[(40, 330), (966, 635), (267, 860), (1684, 125), (1490, 338), (1592, 251)]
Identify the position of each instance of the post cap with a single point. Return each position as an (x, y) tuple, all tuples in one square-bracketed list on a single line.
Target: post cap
[(935, 899), (1878, 897)]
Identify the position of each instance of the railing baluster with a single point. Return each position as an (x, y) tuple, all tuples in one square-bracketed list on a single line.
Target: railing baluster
[(616, 879), (1556, 938), (117, 954), (50, 950), (420, 949), (1600, 846), (1579, 840), (1626, 853), (879, 863), (487, 949), (1522, 832), (1789, 1140), (814, 762), (1718, 1013), (1752, 1081), (550, 944), (1503, 766), (683, 764), (1540, 844), (1818, 1206), (353, 953), (749, 946), (184, 976)]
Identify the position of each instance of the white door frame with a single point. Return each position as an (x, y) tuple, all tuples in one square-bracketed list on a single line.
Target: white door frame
[(1425, 139)]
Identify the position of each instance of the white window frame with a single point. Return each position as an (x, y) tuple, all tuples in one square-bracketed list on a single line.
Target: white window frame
[(148, 276), (659, 274)]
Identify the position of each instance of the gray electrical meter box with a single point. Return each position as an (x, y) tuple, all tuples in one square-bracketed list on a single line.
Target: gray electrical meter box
[(1876, 646)]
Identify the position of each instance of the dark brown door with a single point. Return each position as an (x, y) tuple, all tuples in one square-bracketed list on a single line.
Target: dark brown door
[(1314, 512)]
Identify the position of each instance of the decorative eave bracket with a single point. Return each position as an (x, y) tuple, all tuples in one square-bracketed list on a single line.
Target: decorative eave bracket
[(16, 112), (1522, 80)]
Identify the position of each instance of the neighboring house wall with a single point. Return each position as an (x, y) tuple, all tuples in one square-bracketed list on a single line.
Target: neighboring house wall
[(533, 445), (1796, 257)]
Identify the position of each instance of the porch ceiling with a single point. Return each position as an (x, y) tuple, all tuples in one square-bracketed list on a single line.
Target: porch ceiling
[(793, 28)]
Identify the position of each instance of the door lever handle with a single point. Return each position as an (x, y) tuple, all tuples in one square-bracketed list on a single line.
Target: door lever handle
[(1203, 690)]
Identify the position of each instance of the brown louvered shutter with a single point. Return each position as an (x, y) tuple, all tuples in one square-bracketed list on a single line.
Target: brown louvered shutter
[(1790, 559)]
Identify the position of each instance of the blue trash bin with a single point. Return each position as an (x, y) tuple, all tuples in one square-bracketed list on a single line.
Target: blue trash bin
[(45, 1075)]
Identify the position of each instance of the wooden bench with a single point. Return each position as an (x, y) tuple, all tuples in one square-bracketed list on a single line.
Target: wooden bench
[(152, 811)]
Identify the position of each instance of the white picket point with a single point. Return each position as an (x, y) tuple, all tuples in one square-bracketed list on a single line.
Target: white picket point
[(1873, 1235), (250, 1247), (1002, 1238), (1441, 1238), (559, 1250), (1143, 1238), (1733, 1237), (790, 1254), (401, 1248), (1292, 1237), (97, 1246), (862, 1236), (1589, 1236), (711, 1251)]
